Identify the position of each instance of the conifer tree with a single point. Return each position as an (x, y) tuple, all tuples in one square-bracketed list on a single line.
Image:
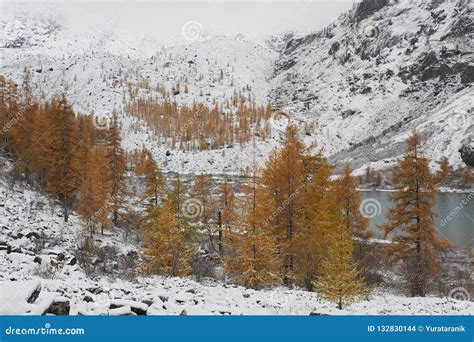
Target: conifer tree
[(349, 199), (116, 158), (467, 177), (176, 196), (39, 151), (444, 172), (85, 167), (368, 175), (83, 158), (284, 176), (411, 220), (102, 187), (62, 173), (377, 179), (252, 259), (8, 106), (22, 129), (339, 279), (322, 215), (154, 191), (227, 215), (202, 191), (167, 249), (155, 180)]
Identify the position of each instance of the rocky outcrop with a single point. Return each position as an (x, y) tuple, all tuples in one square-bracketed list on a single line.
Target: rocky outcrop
[(467, 153), (368, 7), (59, 307)]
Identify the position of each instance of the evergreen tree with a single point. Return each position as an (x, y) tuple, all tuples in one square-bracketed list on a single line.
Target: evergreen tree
[(411, 220), (39, 151), (368, 175)]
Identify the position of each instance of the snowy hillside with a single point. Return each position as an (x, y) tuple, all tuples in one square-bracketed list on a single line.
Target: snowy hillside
[(40, 273), (357, 88), (378, 72), (96, 70)]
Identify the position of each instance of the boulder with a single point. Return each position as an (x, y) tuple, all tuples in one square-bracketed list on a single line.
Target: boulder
[(467, 153), (30, 235), (121, 311), (59, 307), (34, 293), (137, 308), (72, 261)]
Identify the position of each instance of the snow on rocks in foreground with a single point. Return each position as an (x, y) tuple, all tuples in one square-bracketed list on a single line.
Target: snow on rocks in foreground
[(177, 296), (40, 273)]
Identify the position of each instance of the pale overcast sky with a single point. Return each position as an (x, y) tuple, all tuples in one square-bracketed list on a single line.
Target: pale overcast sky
[(165, 19)]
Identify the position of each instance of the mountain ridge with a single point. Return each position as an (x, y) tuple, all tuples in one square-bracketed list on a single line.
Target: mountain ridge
[(363, 82)]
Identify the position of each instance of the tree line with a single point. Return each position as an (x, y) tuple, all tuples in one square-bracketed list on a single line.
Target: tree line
[(292, 222), (199, 127), (64, 155)]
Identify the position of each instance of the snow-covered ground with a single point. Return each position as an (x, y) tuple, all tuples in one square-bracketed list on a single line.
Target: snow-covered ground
[(40, 273), (175, 296), (364, 84)]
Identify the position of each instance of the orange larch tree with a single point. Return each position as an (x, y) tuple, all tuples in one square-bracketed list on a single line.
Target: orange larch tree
[(412, 220)]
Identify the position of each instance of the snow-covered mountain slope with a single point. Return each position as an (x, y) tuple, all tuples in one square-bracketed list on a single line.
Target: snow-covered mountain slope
[(97, 69), (357, 88), (380, 71), (42, 271)]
